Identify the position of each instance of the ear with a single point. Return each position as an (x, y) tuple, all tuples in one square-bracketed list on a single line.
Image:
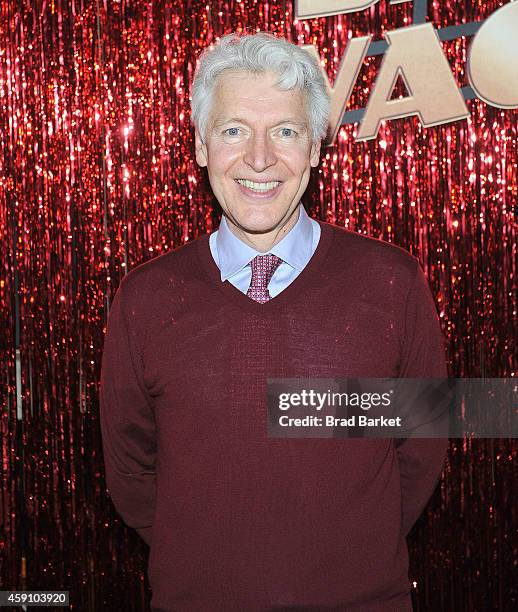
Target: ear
[(201, 149), (315, 153)]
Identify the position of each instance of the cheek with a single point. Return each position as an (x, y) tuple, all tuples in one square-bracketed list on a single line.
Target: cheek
[(222, 159), (297, 161), (302, 172), (218, 175)]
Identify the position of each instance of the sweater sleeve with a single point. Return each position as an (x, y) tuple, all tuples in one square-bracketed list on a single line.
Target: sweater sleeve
[(420, 459), (128, 426)]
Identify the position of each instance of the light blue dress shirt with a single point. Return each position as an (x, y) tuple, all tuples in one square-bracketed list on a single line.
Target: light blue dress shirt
[(233, 256)]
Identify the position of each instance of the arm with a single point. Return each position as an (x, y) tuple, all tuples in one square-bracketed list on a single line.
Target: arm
[(127, 421), (420, 459)]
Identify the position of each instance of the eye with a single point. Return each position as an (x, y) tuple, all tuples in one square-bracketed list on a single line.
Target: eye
[(287, 132), (233, 131)]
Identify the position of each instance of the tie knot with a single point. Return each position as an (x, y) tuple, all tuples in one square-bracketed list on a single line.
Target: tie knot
[(263, 267)]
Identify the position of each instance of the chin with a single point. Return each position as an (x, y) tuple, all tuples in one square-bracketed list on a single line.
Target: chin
[(258, 223)]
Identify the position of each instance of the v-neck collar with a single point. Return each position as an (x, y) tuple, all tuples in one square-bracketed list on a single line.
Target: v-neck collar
[(242, 300), (295, 248)]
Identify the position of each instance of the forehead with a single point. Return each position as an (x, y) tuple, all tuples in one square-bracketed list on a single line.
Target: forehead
[(255, 96)]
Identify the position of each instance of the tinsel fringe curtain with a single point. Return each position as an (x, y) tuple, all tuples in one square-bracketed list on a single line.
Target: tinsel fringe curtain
[(97, 175)]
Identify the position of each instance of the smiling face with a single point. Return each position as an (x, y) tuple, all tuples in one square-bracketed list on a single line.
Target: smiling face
[(259, 154)]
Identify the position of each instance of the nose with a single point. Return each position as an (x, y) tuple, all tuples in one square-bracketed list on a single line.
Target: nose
[(260, 154)]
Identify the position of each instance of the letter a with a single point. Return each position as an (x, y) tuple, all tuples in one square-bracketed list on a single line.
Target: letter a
[(415, 54)]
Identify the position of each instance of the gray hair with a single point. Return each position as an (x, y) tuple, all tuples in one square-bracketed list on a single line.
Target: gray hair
[(258, 53)]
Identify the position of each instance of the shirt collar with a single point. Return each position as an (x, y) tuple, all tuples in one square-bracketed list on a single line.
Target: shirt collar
[(295, 248)]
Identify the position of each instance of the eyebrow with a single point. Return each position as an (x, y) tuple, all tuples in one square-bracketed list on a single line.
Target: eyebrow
[(240, 120)]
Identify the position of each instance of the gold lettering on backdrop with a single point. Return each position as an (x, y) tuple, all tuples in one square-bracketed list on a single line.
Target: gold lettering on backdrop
[(493, 58), (346, 76), (416, 53), (415, 56), (307, 9)]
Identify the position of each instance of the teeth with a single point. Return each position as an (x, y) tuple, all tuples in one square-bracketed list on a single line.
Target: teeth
[(259, 186)]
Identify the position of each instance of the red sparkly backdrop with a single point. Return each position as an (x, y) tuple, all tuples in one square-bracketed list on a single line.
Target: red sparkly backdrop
[(97, 175)]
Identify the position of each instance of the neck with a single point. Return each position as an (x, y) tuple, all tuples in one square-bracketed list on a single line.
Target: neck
[(265, 241)]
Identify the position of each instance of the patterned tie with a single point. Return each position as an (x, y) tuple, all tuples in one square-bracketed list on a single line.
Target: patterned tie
[(263, 267)]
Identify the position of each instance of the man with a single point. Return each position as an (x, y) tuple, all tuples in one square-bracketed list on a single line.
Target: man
[(237, 521)]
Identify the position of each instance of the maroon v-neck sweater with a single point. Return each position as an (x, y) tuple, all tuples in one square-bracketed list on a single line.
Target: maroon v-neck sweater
[(237, 521)]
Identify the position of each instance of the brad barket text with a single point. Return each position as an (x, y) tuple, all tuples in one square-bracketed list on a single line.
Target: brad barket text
[(332, 421)]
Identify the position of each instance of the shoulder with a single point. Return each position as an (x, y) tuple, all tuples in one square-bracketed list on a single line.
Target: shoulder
[(362, 252), (175, 264), (169, 270)]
